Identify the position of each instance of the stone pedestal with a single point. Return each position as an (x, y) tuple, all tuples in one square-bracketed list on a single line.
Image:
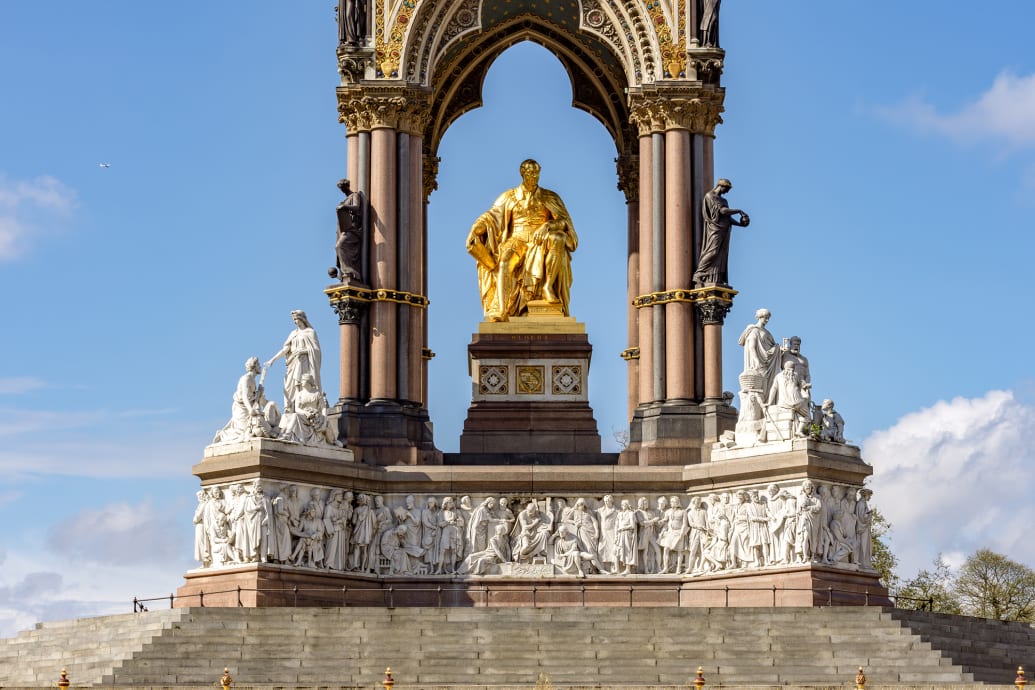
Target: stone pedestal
[(386, 432), (672, 433), (530, 388), (304, 476)]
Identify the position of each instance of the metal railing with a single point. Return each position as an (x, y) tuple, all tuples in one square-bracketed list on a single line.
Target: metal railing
[(537, 596)]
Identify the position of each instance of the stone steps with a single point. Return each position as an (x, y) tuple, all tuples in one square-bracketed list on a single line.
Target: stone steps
[(628, 647)]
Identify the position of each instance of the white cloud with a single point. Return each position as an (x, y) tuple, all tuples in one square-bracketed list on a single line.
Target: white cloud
[(19, 384), (26, 206), (96, 443), (94, 563), (1006, 112), (119, 533), (957, 477)]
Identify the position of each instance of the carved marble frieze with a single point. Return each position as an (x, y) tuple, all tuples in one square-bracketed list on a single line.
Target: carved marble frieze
[(339, 529)]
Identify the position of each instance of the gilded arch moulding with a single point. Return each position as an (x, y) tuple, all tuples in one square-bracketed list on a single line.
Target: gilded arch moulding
[(419, 34)]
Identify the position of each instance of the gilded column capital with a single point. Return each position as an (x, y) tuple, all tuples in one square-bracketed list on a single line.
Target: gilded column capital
[(430, 176), (696, 108), (365, 107), (647, 117), (629, 177)]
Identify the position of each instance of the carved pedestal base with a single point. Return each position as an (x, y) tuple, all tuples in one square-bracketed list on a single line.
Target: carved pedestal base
[(264, 585), (287, 524), (386, 433), (676, 434), (530, 392)]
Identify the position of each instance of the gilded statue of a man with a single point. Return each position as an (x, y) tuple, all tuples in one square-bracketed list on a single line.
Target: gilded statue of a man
[(523, 247)]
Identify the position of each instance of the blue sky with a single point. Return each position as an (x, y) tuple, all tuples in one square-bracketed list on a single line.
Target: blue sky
[(885, 152)]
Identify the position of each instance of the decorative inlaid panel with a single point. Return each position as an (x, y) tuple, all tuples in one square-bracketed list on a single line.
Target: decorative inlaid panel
[(493, 380), (530, 380), (567, 380)]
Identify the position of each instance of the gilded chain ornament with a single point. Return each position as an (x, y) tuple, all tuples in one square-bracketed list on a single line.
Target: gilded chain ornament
[(345, 293), (690, 295)]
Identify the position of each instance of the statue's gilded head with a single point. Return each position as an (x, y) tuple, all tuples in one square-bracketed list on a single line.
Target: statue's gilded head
[(530, 172)]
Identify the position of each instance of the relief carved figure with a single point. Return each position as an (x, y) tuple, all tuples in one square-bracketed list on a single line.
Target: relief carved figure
[(320, 528), (625, 540), (486, 560), (523, 247), (451, 536)]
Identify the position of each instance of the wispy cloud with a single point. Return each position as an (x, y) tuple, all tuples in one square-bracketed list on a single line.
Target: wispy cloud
[(1004, 113), (26, 207), (955, 477), (20, 384), (120, 533)]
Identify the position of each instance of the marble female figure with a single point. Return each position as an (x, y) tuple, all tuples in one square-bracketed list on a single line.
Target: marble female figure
[(302, 355)]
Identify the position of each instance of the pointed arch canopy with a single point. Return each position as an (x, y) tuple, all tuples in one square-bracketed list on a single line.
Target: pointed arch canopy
[(604, 46)]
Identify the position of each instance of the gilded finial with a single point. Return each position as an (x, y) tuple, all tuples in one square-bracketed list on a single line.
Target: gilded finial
[(699, 678), (63, 681), (860, 679), (226, 680), (388, 682), (1020, 681)]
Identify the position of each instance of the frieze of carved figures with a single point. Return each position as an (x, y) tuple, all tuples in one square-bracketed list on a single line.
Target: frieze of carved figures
[(343, 530), (776, 393), (306, 417)]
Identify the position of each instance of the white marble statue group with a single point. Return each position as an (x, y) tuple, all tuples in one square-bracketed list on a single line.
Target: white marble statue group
[(306, 411), (776, 392), (338, 530)]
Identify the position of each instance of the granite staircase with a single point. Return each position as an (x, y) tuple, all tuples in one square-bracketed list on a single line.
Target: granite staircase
[(427, 647)]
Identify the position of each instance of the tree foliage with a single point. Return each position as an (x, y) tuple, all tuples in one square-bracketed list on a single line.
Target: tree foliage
[(884, 561), (933, 590), (991, 585)]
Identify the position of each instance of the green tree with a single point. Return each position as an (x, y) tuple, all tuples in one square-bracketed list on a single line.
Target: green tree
[(990, 585), (934, 589), (884, 561)]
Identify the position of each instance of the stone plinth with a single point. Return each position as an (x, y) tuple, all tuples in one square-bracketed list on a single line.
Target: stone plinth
[(676, 433), (386, 432), (263, 585), (530, 388), (291, 473)]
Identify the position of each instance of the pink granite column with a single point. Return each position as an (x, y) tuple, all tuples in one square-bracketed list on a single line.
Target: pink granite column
[(645, 315), (349, 371), (352, 158), (713, 361), (383, 266), (679, 343), (633, 289), (416, 270)]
